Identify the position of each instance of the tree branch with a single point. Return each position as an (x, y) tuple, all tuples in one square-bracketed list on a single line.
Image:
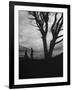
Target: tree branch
[(59, 41), (59, 36), (46, 22), (61, 18), (59, 28), (54, 23), (41, 18), (31, 18), (33, 25)]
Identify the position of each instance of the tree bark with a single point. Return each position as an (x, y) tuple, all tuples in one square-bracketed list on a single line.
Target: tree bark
[(45, 47), (52, 44)]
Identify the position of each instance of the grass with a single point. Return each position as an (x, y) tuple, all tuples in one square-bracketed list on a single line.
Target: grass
[(41, 68)]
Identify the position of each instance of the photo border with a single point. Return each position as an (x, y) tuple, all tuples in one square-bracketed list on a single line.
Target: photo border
[(11, 43)]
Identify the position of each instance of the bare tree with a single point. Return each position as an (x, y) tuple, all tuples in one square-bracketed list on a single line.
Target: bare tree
[(55, 29), (42, 19)]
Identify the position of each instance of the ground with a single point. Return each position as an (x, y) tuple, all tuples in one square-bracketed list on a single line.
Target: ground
[(41, 68)]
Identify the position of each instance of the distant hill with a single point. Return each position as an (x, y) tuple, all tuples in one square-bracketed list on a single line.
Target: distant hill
[(60, 56)]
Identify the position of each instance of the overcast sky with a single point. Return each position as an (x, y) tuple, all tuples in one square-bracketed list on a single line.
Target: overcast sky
[(30, 37)]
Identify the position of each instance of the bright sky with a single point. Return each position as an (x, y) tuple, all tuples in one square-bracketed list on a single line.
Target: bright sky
[(30, 37)]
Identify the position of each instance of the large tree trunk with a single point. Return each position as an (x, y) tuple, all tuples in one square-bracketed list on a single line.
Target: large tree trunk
[(45, 47), (52, 44)]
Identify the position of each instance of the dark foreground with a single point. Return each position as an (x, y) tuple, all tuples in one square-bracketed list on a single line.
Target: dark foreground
[(41, 68)]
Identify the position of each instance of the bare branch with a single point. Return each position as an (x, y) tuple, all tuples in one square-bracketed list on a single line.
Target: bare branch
[(59, 41), (46, 21), (60, 25), (31, 18), (41, 18), (61, 18), (33, 25), (59, 36), (54, 22)]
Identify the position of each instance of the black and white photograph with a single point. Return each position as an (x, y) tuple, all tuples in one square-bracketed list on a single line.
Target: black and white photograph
[(40, 44)]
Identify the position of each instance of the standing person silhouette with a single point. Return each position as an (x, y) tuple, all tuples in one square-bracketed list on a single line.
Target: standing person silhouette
[(26, 56), (31, 53)]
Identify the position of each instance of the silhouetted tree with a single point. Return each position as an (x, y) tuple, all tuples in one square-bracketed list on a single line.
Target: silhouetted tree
[(42, 19)]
